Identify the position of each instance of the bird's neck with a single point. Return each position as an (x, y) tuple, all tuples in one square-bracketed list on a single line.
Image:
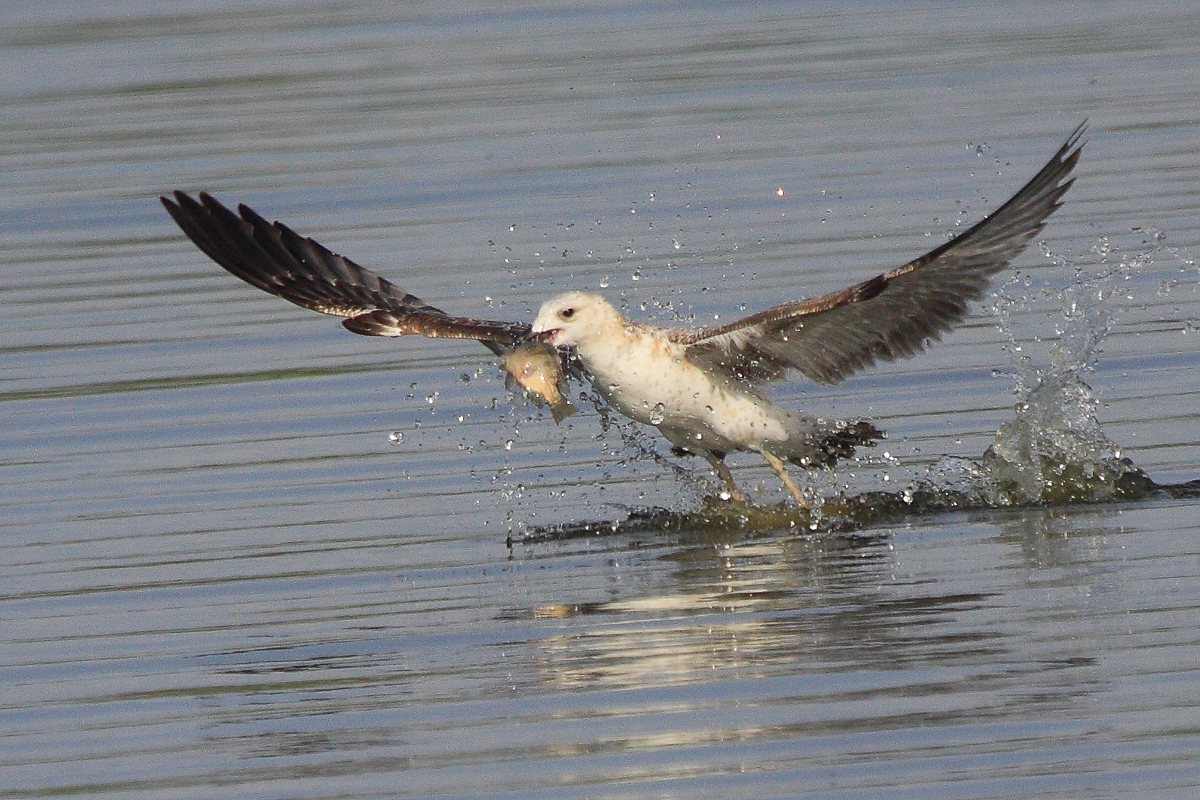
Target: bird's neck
[(620, 347), (609, 337)]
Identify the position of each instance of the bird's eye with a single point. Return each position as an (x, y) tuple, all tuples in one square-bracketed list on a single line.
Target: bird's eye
[(567, 313)]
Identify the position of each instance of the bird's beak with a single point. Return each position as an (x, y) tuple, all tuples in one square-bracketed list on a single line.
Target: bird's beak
[(546, 336)]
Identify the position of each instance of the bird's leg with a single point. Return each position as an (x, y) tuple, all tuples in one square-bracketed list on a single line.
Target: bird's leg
[(781, 472), (719, 467)]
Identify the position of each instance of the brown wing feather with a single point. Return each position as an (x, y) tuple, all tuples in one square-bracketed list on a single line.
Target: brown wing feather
[(278, 260), (891, 315)]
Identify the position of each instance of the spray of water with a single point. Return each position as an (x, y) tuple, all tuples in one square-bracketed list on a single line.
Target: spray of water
[(1053, 450)]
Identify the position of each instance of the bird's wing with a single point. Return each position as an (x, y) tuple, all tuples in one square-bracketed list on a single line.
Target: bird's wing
[(891, 315), (278, 260)]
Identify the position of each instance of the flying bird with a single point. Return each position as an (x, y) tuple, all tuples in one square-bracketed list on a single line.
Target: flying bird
[(699, 387)]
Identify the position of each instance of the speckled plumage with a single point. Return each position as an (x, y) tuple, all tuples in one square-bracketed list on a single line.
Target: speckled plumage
[(641, 372)]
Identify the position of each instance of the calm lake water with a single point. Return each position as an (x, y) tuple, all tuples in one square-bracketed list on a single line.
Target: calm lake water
[(247, 554)]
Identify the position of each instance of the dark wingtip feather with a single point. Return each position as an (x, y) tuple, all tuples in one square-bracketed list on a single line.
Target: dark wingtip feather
[(896, 314), (276, 259)]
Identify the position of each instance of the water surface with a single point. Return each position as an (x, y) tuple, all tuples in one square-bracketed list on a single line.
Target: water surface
[(224, 575)]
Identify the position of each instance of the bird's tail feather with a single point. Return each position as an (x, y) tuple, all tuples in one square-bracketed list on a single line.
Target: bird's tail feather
[(838, 441)]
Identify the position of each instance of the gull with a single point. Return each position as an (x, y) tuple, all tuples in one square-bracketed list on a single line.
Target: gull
[(701, 388)]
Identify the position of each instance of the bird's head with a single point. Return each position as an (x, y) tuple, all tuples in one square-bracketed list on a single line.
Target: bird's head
[(573, 319)]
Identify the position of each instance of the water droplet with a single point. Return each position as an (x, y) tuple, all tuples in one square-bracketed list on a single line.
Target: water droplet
[(395, 437), (658, 414)]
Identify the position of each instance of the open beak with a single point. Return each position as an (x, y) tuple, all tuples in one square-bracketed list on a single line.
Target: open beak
[(542, 336)]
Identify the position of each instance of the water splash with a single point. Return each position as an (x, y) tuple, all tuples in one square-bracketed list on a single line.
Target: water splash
[(1053, 450)]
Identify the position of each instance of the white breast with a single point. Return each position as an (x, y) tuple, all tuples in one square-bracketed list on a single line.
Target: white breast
[(648, 378)]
